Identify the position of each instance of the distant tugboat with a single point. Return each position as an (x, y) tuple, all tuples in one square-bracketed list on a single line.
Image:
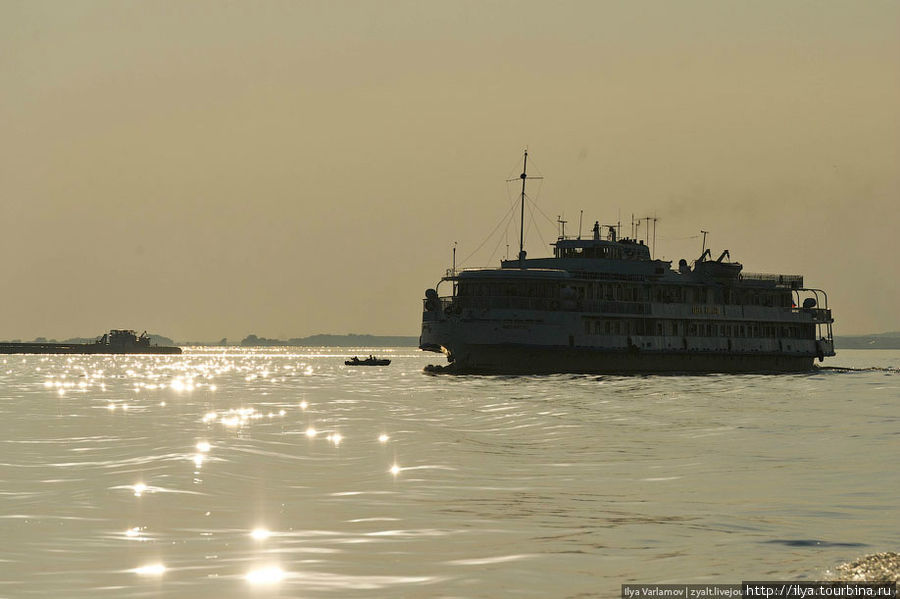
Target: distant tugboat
[(117, 341), (370, 361), (604, 305)]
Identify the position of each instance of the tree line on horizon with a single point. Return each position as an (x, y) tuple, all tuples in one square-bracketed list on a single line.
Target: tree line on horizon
[(890, 340), (348, 340)]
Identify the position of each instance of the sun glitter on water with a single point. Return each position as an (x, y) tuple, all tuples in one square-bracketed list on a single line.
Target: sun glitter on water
[(269, 575), (150, 570)]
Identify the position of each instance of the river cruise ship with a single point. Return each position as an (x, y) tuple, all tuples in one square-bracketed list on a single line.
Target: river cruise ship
[(603, 305)]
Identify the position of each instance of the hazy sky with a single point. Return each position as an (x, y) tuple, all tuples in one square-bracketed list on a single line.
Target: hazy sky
[(209, 169)]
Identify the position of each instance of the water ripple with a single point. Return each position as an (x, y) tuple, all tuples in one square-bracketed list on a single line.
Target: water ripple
[(231, 472)]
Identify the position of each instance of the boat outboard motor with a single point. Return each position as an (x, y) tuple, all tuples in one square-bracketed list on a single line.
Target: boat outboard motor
[(432, 301)]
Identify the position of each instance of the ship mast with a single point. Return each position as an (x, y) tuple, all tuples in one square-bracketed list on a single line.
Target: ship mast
[(522, 215), (523, 176)]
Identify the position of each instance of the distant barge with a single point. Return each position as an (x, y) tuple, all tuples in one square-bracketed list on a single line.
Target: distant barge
[(117, 341)]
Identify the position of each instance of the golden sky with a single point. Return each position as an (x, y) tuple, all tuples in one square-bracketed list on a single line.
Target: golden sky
[(209, 169)]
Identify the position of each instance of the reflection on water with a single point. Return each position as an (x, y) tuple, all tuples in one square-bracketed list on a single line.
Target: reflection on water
[(150, 570), (268, 575), (220, 473)]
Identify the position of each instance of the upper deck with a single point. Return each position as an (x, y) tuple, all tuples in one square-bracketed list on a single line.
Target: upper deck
[(626, 259)]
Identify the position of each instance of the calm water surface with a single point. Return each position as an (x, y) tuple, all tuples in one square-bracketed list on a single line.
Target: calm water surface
[(283, 473)]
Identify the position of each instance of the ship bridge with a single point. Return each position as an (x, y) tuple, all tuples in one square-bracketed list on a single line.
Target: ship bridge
[(594, 248), (597, 254), (624, 249)]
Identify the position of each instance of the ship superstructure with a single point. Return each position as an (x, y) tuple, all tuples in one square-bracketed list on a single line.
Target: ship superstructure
[(602, 304)]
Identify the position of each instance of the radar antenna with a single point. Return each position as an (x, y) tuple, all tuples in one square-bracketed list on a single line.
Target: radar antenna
[(562, 225)]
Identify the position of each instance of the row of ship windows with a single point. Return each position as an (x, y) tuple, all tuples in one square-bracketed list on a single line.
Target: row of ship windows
[(690, 328), (629, 293), (636, 252)]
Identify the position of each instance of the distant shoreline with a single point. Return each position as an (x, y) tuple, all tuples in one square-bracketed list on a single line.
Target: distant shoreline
[(328, 340), (880, 341), (874, 341)]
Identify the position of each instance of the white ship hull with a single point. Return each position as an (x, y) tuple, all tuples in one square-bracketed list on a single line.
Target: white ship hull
[(607, 306), (521, 359), (506, 342)]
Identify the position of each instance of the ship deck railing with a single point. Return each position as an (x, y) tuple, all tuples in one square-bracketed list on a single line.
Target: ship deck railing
[(792, 281), (665, 310)]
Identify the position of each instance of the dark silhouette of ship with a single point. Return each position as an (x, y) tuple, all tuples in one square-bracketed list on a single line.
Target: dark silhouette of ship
[(117, 341), (608, 306)]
